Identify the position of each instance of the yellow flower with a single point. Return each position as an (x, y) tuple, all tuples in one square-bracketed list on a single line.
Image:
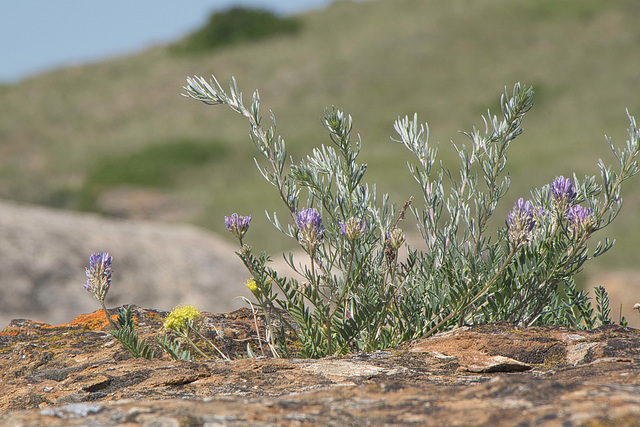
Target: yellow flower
[(251, 284), (180, 315)]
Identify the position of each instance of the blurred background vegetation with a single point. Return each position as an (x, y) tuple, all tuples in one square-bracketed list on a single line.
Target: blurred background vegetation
[(71, 136)]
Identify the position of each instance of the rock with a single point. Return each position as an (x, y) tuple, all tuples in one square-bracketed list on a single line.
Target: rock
[(77, 374), (44, 252), (143, 203), (483, 364)]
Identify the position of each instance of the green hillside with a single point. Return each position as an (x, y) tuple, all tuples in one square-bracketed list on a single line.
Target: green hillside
[(68, 136)]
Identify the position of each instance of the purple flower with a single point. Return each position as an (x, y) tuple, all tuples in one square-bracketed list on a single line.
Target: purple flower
[(237, 224), (522, 212), (310, 230), (99, 275), (352, 228), (563, 195), (309, 219), (562, 190), (520, 222), (581, 218)]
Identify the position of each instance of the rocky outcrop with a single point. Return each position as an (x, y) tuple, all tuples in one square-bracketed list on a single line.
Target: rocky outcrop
[(43, 253), (498, 375)]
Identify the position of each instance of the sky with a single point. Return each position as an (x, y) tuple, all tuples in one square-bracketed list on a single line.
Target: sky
[(40, 35)]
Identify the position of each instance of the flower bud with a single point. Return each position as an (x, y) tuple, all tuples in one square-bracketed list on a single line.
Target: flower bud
[(352, 229), (395, 238), (251, 284)]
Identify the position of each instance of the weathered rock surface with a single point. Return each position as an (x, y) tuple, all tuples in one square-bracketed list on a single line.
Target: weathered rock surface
[(499, 375), (43, 253)]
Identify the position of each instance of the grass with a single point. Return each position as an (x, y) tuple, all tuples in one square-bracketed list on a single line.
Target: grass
[(155, 166), (445, 60)]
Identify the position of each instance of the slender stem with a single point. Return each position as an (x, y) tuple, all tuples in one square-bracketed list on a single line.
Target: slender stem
[(106, 312), (531, 274), (255, 321), (186, 336), (343, 299), (261, 299), (267, 320)]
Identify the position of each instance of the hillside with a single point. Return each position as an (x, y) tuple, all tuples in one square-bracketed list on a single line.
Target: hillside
[(66, 132)]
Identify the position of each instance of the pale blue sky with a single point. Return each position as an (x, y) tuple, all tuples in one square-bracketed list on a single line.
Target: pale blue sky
[(39, 35)]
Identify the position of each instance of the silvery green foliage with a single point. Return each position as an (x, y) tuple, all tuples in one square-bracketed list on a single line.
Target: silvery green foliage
[(172, 347), (128, 336), (528, 281), (358, 294)]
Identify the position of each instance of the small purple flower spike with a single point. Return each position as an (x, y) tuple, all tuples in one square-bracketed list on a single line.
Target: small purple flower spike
[(581, 218), (99, 280), (237, 224), (310, 230), (99, 275), (562, 189), (520, 222), (563, 195)]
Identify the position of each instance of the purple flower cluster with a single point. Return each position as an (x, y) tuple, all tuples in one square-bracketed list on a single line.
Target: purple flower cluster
[(237, 225), (581, 218), (310, 230), (99, 275), (520, 222), (562, 191), (352, 229), (522, 218), (522, 213), (564, 198)]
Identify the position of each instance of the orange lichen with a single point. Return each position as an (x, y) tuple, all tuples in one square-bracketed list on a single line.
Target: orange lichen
[(95, 321)]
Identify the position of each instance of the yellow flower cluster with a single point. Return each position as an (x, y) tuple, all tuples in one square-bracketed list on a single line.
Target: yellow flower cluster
[(251, 284), (179, 317)]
